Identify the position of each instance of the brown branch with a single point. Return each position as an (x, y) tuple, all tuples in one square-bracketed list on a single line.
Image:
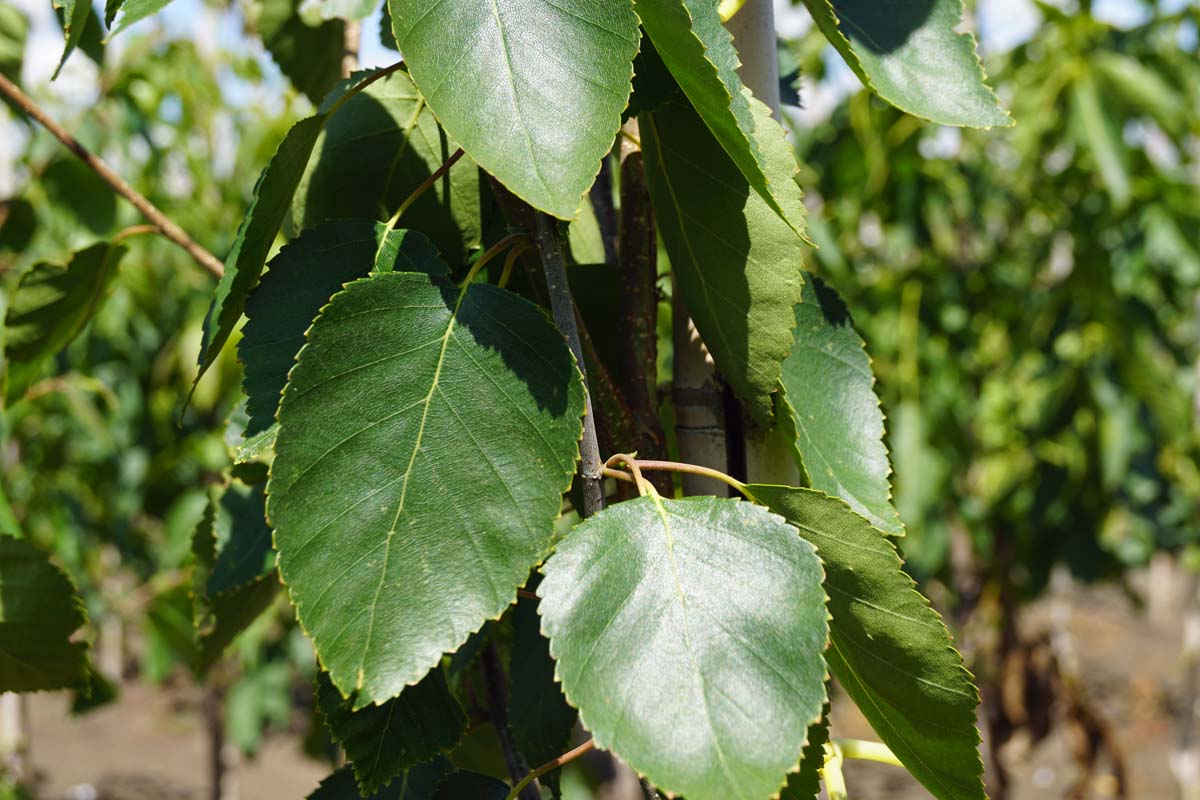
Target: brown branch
[(497, 699), (151, 212)]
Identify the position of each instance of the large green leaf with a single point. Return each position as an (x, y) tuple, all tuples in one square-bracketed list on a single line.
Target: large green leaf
[(736, 261), (888, 648), (380, 146), (830, 395), (690, 635), (302, 277), (74, 15), (39, 613), (50, 307), (532, 90), (309, 55), (272, 199), (234, 580), (419, 783), (426, 436), (698, 50), (383, 741), (911, 54)]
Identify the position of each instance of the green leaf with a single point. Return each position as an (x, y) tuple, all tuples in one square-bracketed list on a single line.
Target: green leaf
[(463, 785), (14, 31), (419, 783), (82, 193), (302, 277), (272, 198), (911, 54), (805, 783), (51, 305), (455, 414), (309, 55), (18, 221), (540, 718), (830, 395), (40, 611), (74, 16), (134, 11), (689, 634), (889, 649), (234, 581), (316, 11), (532, 90), (111, 7), (1102, 136), (699, 52), (8, 520), (383, 741), (380, 146), (738, 265)]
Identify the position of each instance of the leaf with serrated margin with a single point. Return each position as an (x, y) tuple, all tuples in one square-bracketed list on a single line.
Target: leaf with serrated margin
[(699, 52), (133, 11), (272, 199), (382, 145), (39, 613), (690, 635), (383, 741), (309, 55), (833, 416), (540, 718), (234, 581), (888, 649), (419, 783), (805, 783), (738, 265), (50, 307), (300, 280), (911, 54), (533, 90), (75, 15), (426, 436)]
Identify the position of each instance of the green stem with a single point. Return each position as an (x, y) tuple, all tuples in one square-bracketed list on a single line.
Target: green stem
[(694, 469), (552, 764), (835, 781), (491, 253), (867, 751), (425, 184)]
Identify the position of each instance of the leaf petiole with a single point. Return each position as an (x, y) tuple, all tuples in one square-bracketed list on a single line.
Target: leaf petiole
[(670, 466), (492, 252), (552, 764)]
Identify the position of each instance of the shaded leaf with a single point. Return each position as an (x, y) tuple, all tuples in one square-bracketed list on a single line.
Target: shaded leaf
[(690, 633), (383, 741), (14, 31), (533, 91), (737, 263), (888, 649), (381, 145), (457, 414), (51, 305), (40, 611), (911, 54), (309, 55), (302, 278), (463, 785), (419, 783), (836, 419), (805, 783), (698, 51), (74, 16), (1102, 137)]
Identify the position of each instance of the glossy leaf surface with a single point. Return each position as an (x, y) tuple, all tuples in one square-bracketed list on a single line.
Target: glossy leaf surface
[(532, 90), (456, 414), (913, 56), (831, 403), (888, 649), (690, 634)]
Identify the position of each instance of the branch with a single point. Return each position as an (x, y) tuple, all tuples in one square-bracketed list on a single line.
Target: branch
[(590, 467), (497, 698), (164, 225), (552, 764)]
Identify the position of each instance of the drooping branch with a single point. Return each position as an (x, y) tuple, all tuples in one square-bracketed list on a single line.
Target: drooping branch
[(563, 308), (151, 212)]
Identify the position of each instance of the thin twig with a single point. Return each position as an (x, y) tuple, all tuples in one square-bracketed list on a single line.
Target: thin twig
[(563, 307), (497, 699), (552, 764), (425, 184), (151, 212), (674, 466)]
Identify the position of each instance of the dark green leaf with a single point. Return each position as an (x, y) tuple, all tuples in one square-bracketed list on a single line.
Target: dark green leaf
[(74, 16), (14, 30), (40, 612), (419, 783), (18, 222), (533, 91), (302, 277), (97, 691), (383, 741), (309, 55), (1102, 136), (84, 195), (456, 414), (698, 51), (805, 783), (381, 145), (690, 634), (50, 307), (463, 785), (889, 649), (831, 403), (738, 265), (911, 54)]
